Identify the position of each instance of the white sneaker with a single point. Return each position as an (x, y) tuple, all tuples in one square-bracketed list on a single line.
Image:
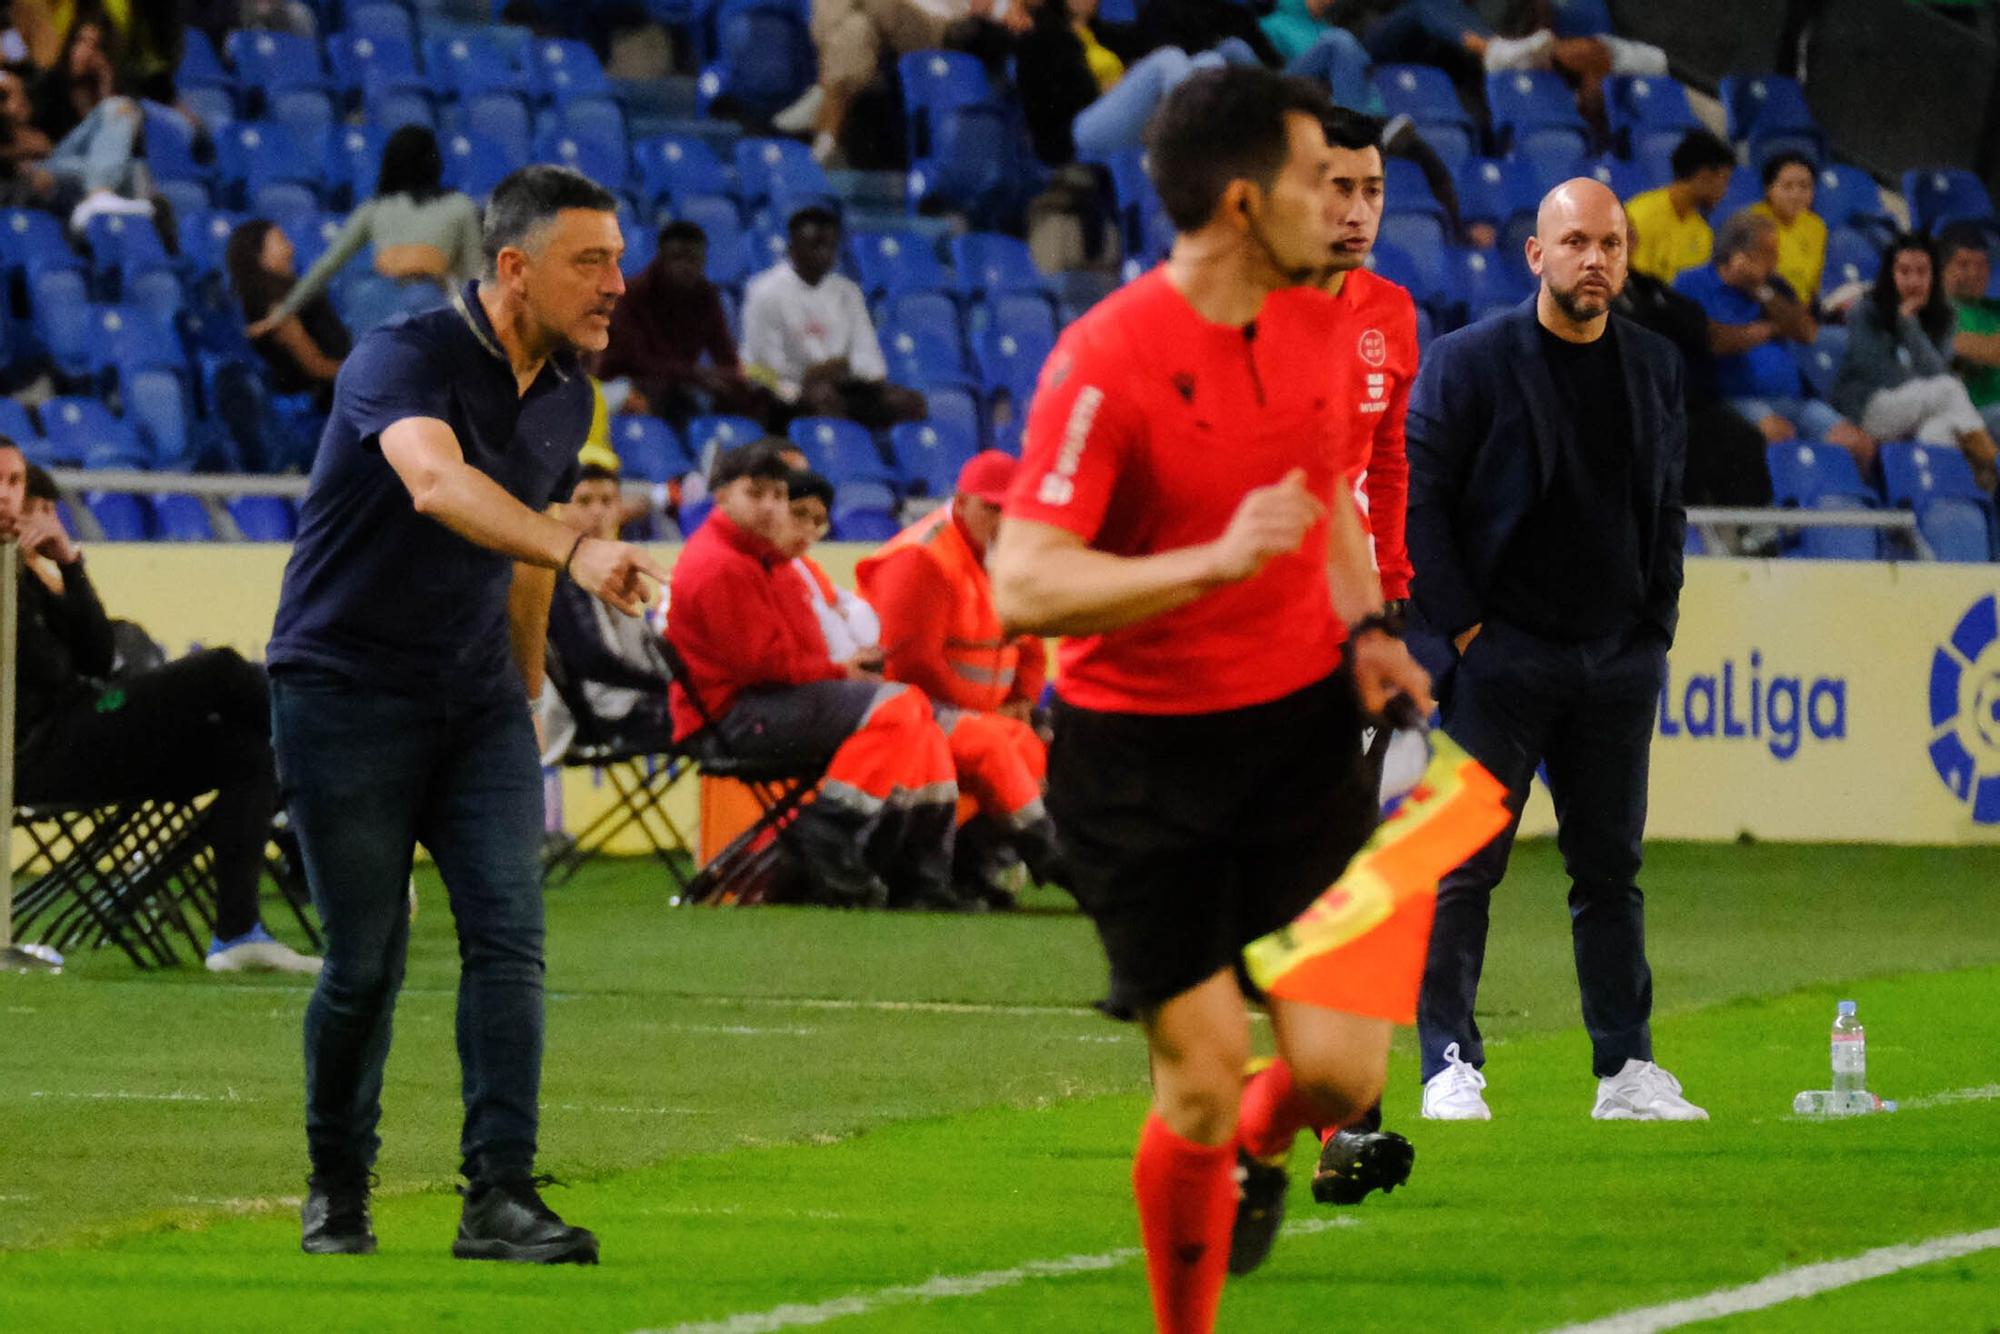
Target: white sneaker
[(1452, 1094), (801, 115), (1535, 51), (256, 952), (1643, 1092)]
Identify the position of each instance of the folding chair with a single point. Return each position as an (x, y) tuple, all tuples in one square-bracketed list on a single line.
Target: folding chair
[(740, 872), (641, 776)]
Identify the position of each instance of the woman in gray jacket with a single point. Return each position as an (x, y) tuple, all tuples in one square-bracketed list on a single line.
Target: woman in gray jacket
[(1896, 378)]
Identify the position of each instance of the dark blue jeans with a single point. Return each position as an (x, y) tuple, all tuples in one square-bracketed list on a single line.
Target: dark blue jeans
[(1516, 701), (366, 775)]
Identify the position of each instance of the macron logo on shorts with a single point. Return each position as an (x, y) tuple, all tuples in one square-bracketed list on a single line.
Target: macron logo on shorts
[(1059, 483)]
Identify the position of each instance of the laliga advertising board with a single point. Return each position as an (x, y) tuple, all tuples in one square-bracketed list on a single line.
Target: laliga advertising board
[(1824, 702)]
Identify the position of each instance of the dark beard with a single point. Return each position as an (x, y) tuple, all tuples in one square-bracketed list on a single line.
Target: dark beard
[(1572, 305)]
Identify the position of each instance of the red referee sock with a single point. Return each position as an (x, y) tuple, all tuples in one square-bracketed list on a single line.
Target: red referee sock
[(1187, 1205), (1273, 1113)]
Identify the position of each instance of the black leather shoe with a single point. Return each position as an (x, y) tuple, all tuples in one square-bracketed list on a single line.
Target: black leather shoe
[(1355, 1162), (334, 1219), (505, 1219)]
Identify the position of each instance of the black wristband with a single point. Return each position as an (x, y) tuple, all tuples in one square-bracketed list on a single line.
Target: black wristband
[(1388, 625), (572, 552)]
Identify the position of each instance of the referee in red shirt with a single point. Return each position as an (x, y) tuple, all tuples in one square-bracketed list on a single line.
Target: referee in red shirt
[(1183, 517)]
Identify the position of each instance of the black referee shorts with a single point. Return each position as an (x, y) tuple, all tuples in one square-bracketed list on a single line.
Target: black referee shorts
[(1189, 836)]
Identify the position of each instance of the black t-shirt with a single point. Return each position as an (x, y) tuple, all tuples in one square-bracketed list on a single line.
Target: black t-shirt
[(1573, 569), (380, 593)]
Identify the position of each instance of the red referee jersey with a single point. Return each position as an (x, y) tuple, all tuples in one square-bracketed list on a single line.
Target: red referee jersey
[(1374, 347), (1148, 427)]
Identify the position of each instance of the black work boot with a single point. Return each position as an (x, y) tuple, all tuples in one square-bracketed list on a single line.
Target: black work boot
[(334, 1220), (505, 1219)]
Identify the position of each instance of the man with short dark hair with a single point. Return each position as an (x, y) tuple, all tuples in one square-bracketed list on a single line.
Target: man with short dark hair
[(670, 336), (408, 645), (1966, 273), (879, 833), (1673, 220), (1752, 317), (1546, 525), (808, 337), (1184, 518), (612, 661)]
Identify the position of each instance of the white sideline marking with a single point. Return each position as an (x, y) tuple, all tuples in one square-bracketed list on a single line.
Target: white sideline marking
[(1984, 1093), (1790, 1285), (122, 1095), (639, 1111), (941, 1288)]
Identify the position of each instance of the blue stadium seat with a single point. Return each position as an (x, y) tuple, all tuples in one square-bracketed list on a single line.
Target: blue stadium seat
[(561, 69), (957, 411), (122, 517), (201, 66), (256, 153), (392, 110), (158, 294), (1485, 192), (1479, 283), (273, 61), (648, 448), (169, 141), (1424, 93), (988, 262), (179, 517), (122, 246), (469, 63), (264, 518), (601, 121), (708, 435), (475, 164), (63, 323), (1845, 195), (768, 247), (185, 197), (934, 83), (1818, 476), (370, 299), (1637, 104), (1421, 236), (1957, 530), (1422, 278), (1914, 472), (717, 217), (32, 243), (1523, 100), (603, 162), (1850, 258), (932, 315), (768, 169), (1007, 435), (379, 19), (292, 206), (1010, 364), (16, 424), (353, 161), (1819, 360), (306, 113), (674, 165), (981, 164), (203, 237), (1027, 314), (1764, 105), (930, 453), (503, 118), (370, 65), (1938, 195), (157, 401), (85, 429), (1405, 189), (1626, 179), (862, 518), (894, 263), (1581, 18), (642, 242), (922, 359), (129, 338), (840, 451), (764, 56), (214, 107)]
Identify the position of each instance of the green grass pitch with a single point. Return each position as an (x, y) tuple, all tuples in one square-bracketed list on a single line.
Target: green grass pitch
[(919, 1120)]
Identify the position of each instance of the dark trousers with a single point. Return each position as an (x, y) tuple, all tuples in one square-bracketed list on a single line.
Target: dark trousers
[(200, 724), (1515, 701), (367, 774)]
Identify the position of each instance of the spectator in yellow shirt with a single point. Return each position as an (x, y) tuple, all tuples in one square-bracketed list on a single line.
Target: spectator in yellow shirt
[(1673, 220), (1788, 200)]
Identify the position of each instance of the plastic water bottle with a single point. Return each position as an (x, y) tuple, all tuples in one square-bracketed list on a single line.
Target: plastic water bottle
[(1850, 1055)]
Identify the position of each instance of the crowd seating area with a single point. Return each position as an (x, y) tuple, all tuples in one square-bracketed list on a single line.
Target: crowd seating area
[(144, 348)]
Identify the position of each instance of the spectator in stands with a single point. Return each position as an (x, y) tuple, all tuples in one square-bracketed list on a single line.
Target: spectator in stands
[(95, 131), (421, 231), (1063, 59), (25, 180), (942, 635), (1752, 317), (852, 36), (1453, 36), (1896, 378), (1673, 220), (198, 725), (1725, 459), (611, 661), (807, 335), (1968, 271), (670, 337), (145, 39), (1787, 202), (302, 354), (850, 626), (880, 831)]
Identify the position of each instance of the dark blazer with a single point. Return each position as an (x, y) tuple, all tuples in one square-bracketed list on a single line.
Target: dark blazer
[(1483, 436)]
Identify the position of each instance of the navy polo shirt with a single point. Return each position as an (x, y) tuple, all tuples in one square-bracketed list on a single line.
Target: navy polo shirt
[(378, 592)]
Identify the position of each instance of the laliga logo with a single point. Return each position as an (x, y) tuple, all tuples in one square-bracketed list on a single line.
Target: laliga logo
[(1965, 711)]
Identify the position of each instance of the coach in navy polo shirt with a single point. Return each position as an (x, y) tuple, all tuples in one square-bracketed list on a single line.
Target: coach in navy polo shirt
[(411, 627)]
